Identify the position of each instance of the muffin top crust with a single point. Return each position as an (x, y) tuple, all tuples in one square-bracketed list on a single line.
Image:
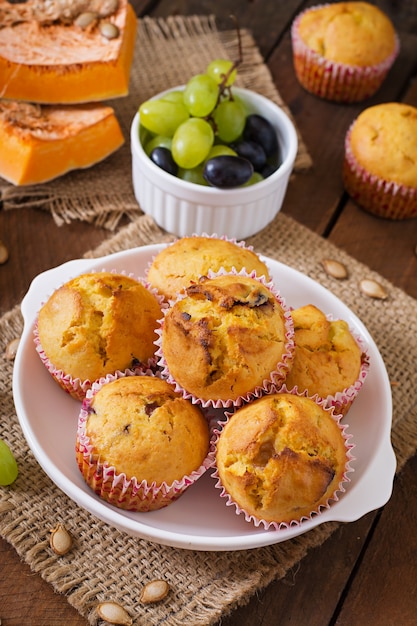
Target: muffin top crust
[(353, 33)]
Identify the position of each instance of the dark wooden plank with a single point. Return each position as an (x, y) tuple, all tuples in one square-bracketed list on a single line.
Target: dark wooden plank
[(35, 243), (393, 258), (254, 15), (297, 599), (26, 599), (384, 590)]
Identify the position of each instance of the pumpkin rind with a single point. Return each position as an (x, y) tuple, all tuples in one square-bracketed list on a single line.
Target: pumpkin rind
[(40, 143)]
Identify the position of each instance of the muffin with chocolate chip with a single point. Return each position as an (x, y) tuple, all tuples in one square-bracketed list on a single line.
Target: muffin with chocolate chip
[(139, 443), (226, 339)]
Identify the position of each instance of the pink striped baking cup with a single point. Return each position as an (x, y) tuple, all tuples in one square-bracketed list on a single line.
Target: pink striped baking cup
[(76, 387), (128, 493), (376, 195), (277, 524), (275, 377), (334, 81)]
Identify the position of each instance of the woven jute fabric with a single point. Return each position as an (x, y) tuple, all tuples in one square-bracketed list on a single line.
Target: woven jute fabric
[(108, 564), (167, 53)]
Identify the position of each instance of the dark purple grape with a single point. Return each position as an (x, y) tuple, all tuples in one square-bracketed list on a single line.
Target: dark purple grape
[(252, 151), (268, 170), (162, 157), (259, 129), (227, 171)]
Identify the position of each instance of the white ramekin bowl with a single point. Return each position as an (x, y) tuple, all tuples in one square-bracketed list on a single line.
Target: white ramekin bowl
[(185, 208)]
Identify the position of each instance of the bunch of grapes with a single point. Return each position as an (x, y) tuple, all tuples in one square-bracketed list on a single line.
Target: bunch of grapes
[(205, 135)]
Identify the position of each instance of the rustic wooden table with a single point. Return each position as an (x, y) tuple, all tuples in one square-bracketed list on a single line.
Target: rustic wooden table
[(366, 572)]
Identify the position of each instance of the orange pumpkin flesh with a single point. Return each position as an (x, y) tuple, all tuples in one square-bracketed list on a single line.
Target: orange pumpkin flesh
[(39, 143), (86, 68)]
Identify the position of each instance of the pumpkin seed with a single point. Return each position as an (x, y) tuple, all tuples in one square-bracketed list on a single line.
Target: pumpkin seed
[(4, 253), (109, 30), (85, 19), (108, 7), (334, 268), (373, 289), (114, 613), (11, 349), (154, 591), (60, 540)]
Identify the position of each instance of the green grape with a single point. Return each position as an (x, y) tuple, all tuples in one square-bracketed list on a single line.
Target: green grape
[(192, 142), (159, 141), (174, 96), (193, 175), (162, 117), (242, 104), (8, 465), (229, 118), (255, 178), (220, 149), (200, 95), (219, 68)]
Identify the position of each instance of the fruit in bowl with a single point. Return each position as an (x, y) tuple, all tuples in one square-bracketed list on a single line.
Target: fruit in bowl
[(190, 172)]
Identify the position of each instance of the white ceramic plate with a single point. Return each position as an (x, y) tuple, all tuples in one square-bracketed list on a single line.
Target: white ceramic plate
[(199, 520)]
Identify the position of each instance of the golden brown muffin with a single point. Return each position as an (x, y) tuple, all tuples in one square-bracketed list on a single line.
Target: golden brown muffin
[(327, 357), (380, 166), (98, 323), (142, 428), (226, 337), (343, 51), (281, 457), (186, 260)]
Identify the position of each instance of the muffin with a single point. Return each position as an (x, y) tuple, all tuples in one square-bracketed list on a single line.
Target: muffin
[(328, 359), (139, 443), (380, 164), (343, 51), (281, 458), (96, 324), (187, 259), (226, 339)]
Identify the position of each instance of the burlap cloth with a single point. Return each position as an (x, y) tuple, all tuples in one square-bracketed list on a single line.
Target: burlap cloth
[(167, 53), (108, 564)]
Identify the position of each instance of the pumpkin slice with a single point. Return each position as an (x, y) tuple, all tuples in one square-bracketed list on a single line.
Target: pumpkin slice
[(58, 52), (39, 143)]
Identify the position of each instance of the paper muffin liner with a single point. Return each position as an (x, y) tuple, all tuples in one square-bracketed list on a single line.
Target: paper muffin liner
[(76, 387), (374, 194), (275, 378), (340, 489), (130, 494), (343, 399), (334, 81), (240, 243)]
